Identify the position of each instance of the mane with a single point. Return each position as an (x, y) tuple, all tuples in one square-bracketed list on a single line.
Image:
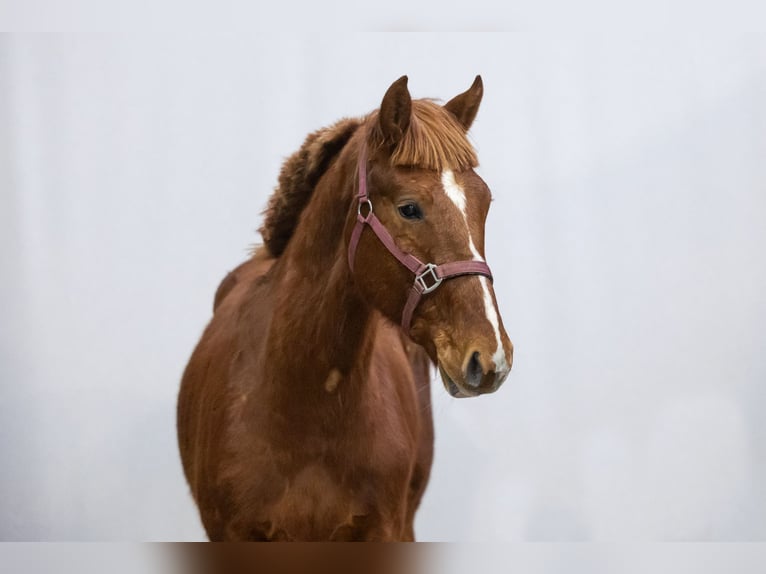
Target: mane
[(435, 140), (300, 174)]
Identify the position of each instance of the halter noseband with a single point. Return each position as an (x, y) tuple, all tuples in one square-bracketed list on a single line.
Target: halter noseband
[(428, 276)]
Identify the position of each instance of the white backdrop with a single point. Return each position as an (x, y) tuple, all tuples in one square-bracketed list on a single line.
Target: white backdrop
[(627, 236)]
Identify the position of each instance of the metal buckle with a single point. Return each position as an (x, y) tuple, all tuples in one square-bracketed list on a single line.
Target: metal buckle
[(359, 209), (430, 270)]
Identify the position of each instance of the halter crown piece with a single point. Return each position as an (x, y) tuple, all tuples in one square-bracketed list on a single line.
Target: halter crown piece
[(428, 276)]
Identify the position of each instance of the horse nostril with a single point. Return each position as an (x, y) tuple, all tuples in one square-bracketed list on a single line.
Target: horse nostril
[(474, 371)]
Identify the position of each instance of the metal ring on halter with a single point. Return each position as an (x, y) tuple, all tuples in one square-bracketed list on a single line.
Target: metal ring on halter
[(359, 209), (429, 271)]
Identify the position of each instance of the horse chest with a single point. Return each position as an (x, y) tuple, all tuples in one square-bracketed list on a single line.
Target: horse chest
[(315, 505), (323, 488)]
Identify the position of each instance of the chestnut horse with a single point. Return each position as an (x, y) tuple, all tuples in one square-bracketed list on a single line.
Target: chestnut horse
[(304, 412)]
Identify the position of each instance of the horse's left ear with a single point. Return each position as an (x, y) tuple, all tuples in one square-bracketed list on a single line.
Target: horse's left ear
[(465, 106)]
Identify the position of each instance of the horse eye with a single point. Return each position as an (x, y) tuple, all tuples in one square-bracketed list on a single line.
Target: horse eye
[(410, 211)]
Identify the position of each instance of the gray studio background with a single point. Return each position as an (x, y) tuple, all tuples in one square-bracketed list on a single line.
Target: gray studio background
[(627, 236)]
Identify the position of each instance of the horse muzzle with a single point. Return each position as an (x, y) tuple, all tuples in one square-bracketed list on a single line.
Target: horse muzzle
[(479, 374)]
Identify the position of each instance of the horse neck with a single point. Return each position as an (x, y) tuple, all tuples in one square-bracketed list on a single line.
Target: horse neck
[(319, 335)]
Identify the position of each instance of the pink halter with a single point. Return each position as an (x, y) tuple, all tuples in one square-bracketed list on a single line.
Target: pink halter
[(428, 276)]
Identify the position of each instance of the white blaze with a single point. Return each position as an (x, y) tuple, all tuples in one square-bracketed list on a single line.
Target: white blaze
[(454, 192), (457, 196)]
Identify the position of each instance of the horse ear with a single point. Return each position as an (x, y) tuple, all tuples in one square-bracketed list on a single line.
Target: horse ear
[(465, 106), (394, 116)]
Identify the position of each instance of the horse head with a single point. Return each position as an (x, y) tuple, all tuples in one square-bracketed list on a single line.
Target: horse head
[(419, 193)]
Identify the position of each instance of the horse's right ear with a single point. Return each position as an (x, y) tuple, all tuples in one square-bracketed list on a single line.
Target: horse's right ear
[(395, 110)]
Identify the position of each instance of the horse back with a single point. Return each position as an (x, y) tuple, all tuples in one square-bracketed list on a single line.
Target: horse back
[(249, 271)]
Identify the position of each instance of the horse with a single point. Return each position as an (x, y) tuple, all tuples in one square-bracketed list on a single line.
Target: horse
[(304, 413)]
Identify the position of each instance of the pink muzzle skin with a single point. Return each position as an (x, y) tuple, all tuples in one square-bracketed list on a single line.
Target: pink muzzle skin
[(428, 276)]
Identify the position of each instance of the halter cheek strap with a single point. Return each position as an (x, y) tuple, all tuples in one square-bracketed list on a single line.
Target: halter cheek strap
[(428, 276)]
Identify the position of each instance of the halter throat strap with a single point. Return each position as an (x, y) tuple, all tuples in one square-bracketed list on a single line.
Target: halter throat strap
[(428, 276)]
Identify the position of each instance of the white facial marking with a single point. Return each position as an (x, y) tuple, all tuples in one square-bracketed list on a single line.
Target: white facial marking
[(456, 194), (454, 191), (501, 365)]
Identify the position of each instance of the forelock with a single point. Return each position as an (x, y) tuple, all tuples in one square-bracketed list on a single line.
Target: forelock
[(435, 140)]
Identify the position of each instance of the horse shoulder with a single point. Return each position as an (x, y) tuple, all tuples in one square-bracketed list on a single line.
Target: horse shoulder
[(204, 402), (414, 391)]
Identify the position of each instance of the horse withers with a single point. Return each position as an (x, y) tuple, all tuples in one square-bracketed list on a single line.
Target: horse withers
[(304, 412)]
